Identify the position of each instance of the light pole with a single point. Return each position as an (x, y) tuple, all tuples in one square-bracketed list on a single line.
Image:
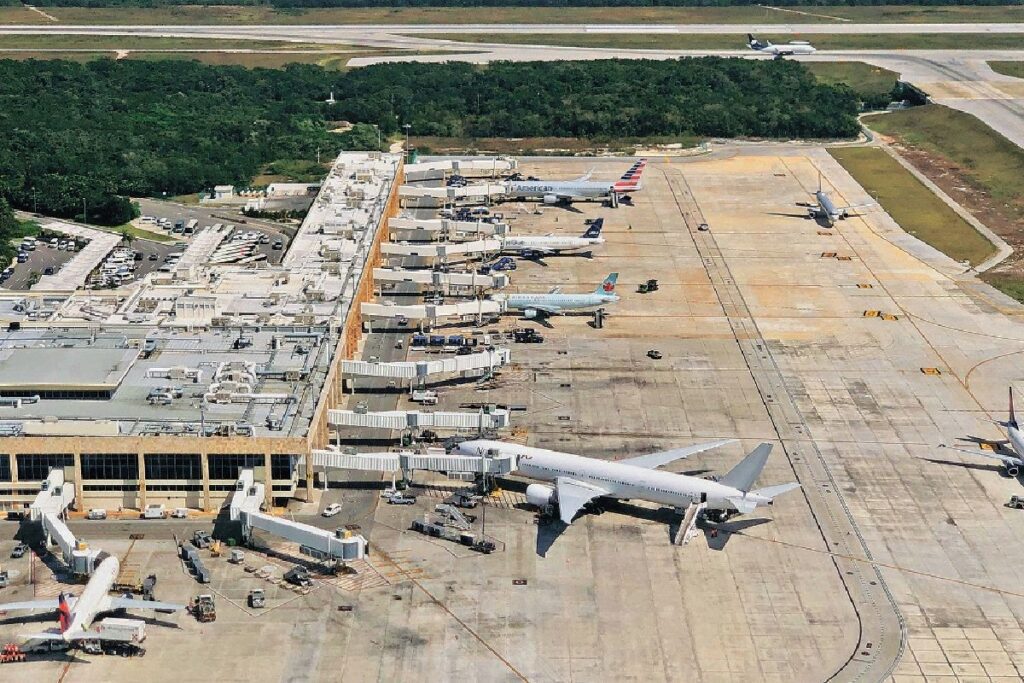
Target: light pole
[(35, 200), (407, 126), (85, 215)]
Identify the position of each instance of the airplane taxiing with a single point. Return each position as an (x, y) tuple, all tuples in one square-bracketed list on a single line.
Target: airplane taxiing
[(826, 209), (793, 47), (76, 615), (581, 189), (578, 480), (1013, 461), (555, 302)]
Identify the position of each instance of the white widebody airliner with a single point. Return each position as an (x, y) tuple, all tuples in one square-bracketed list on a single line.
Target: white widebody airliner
[(793, 47), (553, 244), (579, 480), (76, 615), (567, 191), (554, 302)]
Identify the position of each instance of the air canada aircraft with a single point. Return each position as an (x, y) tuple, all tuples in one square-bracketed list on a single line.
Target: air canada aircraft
[(555, 302), (793, 47), (76, 615), (579, 480), (581, 189)]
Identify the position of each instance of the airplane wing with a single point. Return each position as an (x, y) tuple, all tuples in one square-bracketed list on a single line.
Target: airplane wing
[(549, 309), (132, 603), (585, 177), (653, 460), (573, 495), (995, 455), (29, 605), (555, 290), (852, 207)]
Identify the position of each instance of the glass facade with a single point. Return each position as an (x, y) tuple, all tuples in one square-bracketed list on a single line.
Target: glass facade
[(110, 466), (35, 466), (226, 465), (110, 487), (282, 465), (173, 466), (5, 467)]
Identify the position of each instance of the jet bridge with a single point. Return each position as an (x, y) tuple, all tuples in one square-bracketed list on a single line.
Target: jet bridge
[(322, 544), (476, 308), (410, 370), (433, 460), (402, 419), (440, 250), (55, 496), (440, 279), (438, 228), (475, 193), (435, 169)]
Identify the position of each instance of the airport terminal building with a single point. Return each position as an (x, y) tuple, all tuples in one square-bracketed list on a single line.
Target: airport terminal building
[(159, 391)]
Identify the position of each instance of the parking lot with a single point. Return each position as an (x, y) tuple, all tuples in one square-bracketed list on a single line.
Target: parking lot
[(44, 260)]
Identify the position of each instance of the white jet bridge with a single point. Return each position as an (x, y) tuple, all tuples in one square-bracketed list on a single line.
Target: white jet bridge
[(474, 193), (322, 544), (440, 250), (407, 462), (436, 168), (480, 421), (440, 279), (475, 308), (55, 496), (441, 228), (411, 370)]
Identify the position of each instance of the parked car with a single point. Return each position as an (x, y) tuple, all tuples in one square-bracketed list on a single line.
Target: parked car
[(331, 510), (19, 550), (96, 513), (298, 576)]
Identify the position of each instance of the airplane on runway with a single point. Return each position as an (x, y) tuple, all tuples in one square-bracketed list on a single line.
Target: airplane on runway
[(76, 615), (581, 189), (540, 245), (1013, 461), (554, 302), (826, 209), (579, 480), (793, 47)]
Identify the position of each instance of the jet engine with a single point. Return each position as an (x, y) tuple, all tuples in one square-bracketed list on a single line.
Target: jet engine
[(540, 495), (550, 199), (530, 313), (1012, 470)]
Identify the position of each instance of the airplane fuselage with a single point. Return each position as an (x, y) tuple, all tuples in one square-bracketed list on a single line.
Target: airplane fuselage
[(94, 598), (827, 209), (520, 302), (548, 243), (620, 480), (1016, 439)]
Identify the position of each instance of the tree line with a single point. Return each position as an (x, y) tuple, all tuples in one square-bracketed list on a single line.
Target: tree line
[(108, 130)]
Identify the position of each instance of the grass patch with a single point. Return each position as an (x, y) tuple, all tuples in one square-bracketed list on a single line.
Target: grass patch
[(717, 41), (515, 15), (136, 233), (1015, 69), (865, 79), (28, 228), (990, 162), (542, 145), (912, 205), (97, 42)]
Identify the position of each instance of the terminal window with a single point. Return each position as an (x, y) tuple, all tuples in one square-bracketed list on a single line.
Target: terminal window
[(5, 467), (110, 466), (174, 466), (282, 465), (35, 466), (226, 466)]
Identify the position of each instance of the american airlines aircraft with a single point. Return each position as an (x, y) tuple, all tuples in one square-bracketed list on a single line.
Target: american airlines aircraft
[(579, 480), (76, 615), (553, 244), (793, 47), (1013, 461), (554, 302), (567, 191)]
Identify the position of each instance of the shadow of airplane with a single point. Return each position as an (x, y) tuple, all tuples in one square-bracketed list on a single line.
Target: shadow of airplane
[(981, 467), (997, 445), (717, 535)]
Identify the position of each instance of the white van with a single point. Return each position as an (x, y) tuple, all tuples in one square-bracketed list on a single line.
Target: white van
[(96, 513), (154, 512), (180, 513)]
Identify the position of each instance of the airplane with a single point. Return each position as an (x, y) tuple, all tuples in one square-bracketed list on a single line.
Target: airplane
[(568, 191), (554, 302), (1013, 461), (76, 615), (539, 245), (826, 210), (793, 47), (578, 480)]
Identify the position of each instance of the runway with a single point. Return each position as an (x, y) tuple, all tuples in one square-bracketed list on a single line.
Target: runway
[(960, 79)]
